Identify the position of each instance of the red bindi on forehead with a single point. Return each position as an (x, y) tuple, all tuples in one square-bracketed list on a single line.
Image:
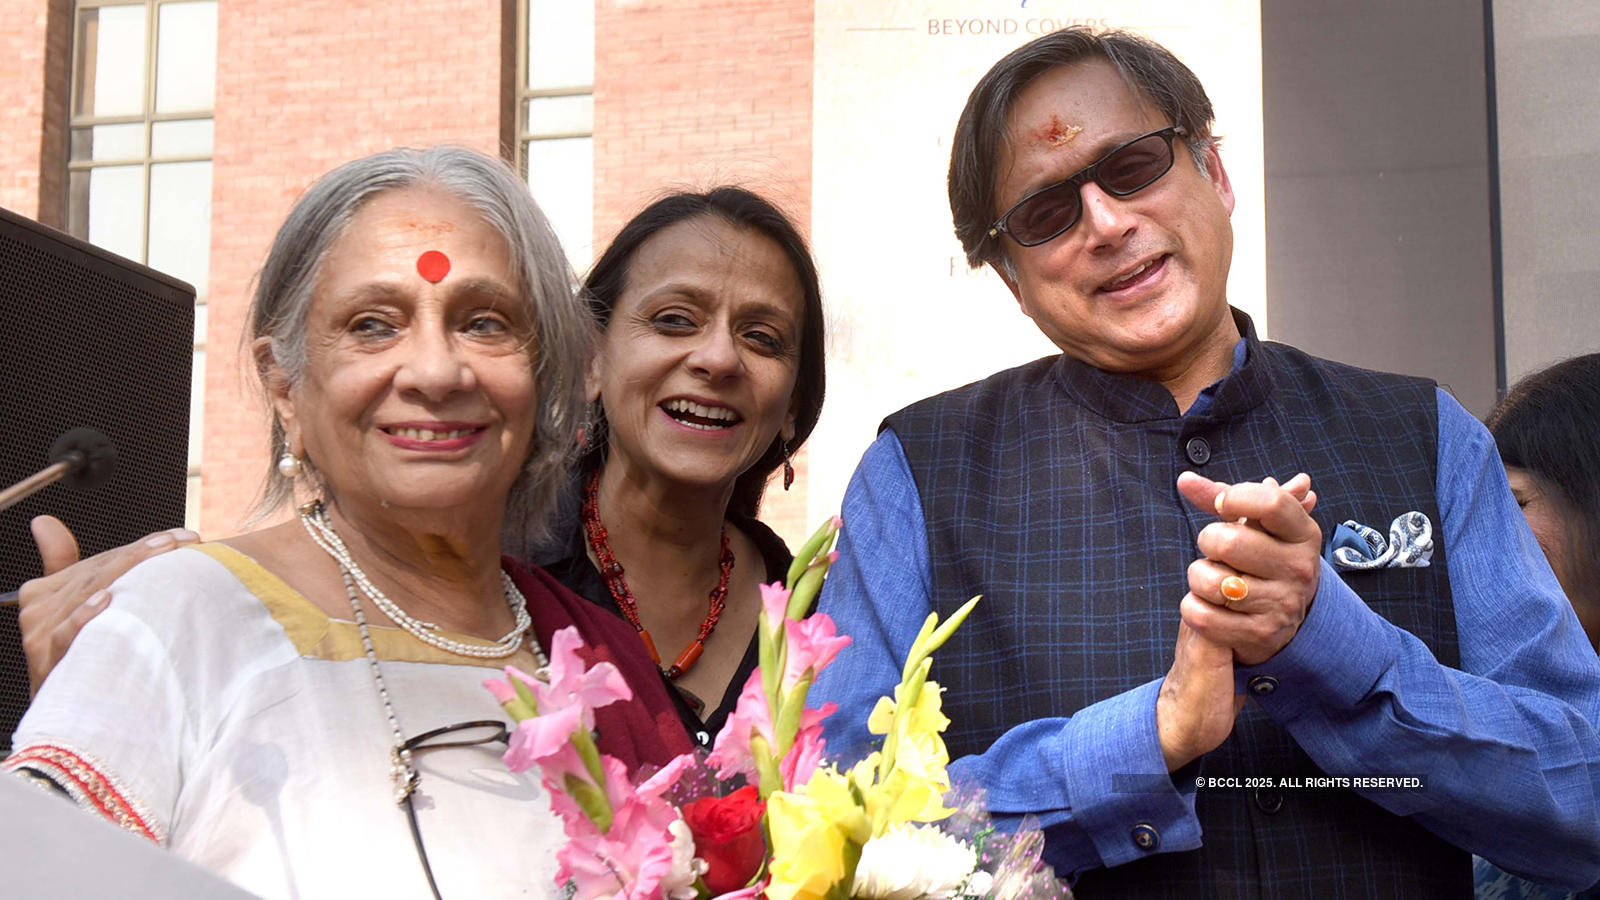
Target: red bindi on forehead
[(1057, 134), (433, 266)]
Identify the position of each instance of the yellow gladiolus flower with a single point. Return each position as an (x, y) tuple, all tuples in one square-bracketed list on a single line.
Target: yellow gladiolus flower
[(816, 838), (914, 787), (923, 716)]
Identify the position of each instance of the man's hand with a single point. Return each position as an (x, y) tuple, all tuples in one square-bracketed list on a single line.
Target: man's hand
[(54, 608), (1197, 705), (1268, 539)]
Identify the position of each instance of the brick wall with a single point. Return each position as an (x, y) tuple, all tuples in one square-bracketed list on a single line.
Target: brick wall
[(687, 93), (302, 87), (35, 41), (696, 93)]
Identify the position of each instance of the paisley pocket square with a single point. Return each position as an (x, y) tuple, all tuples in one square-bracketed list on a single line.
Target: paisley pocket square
[(1356, 547)]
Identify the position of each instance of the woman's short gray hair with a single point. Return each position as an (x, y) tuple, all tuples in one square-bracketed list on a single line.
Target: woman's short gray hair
[(564, 333)]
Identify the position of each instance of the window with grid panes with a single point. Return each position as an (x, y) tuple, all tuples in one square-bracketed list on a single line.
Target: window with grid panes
[(139, 173), (555, 112)]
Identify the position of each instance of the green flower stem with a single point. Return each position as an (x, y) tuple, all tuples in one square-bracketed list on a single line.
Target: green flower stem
[(787, 725), (852, 858), (771, 780), (905, 698), (914, 655), (806, 590), (809, 551), (518, 710), (583, 741), (931, 638), (525, 697), (943, 632), (591, 799), (770, 647)]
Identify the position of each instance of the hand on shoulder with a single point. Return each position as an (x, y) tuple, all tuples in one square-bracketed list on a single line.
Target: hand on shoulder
[(55, 607)]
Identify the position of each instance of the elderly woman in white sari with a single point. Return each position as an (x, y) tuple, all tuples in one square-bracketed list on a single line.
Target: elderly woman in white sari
[(260, 704)]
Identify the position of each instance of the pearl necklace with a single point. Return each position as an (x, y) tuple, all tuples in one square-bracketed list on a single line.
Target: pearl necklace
[(404, 775), (401, 772), (314, 516)]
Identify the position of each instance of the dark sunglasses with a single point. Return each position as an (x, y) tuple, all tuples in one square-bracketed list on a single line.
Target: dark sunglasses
[(464, 734), (1048, 212)]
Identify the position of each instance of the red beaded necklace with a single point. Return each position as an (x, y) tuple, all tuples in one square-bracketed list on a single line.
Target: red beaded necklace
[(611, 572)]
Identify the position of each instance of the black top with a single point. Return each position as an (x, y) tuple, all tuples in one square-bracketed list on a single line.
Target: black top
[(574, 570)]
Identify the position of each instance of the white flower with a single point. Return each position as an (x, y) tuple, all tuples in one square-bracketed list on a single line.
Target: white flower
[(678, 884), (911, 861), (979, 884)]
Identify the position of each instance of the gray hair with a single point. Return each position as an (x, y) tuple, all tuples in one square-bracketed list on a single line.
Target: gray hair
[(564, 334), (981, 133)]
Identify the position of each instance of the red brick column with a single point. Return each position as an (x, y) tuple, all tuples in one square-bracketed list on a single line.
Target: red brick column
[(35, 42), (301, 87)]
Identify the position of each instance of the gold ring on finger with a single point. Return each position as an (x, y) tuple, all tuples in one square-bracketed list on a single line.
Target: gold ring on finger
[(1234, 590)]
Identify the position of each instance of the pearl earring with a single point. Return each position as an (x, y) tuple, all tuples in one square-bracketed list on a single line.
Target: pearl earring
[(288, 465)]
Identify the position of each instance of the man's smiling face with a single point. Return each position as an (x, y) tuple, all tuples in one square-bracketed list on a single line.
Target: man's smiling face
[(1139, 283)]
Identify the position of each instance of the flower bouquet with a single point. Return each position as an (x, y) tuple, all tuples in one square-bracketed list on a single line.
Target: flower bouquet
[(776, 820)]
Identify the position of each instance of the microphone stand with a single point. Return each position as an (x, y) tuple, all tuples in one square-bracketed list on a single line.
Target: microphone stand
[(82, 456), (40, 480)]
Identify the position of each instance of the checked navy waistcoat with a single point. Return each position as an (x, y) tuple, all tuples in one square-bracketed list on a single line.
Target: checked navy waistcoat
[(1050, 489)]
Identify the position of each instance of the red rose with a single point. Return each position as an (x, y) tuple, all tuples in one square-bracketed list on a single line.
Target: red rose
[(727, 835)]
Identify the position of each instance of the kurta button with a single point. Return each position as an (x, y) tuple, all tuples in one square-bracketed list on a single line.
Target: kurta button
[(1146, 837), (1263, 685), (1198, 450), (1270, 800)]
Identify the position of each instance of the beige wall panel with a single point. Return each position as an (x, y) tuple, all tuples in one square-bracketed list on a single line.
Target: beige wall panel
[(908, 318)]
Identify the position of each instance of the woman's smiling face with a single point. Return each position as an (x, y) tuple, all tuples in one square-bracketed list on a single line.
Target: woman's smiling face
[(418, 390), (698, 365)]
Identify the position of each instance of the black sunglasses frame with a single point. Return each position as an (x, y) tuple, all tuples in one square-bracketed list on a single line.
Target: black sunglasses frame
[(419, 743), (1088, 173)]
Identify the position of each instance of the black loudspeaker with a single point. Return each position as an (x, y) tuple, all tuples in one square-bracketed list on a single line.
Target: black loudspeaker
[(90, 339)]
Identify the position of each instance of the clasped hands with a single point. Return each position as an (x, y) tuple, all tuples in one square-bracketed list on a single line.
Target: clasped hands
[(1248, 594)]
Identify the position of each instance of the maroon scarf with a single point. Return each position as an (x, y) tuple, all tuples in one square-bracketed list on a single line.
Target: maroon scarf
[(647, 728)]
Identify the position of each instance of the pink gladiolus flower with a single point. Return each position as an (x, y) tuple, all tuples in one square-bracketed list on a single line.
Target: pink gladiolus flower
[(632, 858), (813, 644), (606, 867), (571, 684), (774, 601), (665, 778), (806, 754), (503, 692), (538, 740), (751, 715)]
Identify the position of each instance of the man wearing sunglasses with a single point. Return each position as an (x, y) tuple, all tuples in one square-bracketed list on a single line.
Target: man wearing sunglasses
[(1419, 689)]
